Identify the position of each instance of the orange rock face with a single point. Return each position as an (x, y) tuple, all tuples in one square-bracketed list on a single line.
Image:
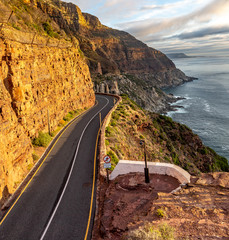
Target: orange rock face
[(35, 80)]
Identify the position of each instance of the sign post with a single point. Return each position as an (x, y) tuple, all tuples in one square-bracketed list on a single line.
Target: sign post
[(146, 170), (107, 164)]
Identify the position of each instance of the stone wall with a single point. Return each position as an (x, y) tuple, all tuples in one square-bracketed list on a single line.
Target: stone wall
[(35, 80)]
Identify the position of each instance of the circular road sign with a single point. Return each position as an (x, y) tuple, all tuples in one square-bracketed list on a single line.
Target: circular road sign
[(107, 159)]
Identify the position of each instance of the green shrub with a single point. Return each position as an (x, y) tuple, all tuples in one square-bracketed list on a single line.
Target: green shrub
[(107, 142), (114, 159), (203, 151), (142, 137), (115, 116), (42, 140), (108, 131), (48, 29), (113, 123), (170, 146), (175, 158), (160, 213), (68, 117), (221, 163)]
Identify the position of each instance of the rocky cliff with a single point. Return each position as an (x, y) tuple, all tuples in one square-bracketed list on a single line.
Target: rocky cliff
[(35, 81), (111, 50), (108, 51)]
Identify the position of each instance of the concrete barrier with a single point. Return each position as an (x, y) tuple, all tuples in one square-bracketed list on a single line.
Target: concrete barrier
[(126, 166)]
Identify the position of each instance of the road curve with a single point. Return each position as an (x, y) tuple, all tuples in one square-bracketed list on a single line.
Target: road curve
[(57, 202)]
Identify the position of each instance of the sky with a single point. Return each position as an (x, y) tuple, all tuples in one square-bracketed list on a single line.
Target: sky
[(194, 27)]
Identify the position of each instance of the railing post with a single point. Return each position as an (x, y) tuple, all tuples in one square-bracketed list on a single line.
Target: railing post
[(10, 16), (33, 38)]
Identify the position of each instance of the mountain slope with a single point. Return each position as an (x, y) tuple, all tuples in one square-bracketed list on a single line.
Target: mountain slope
[(166, 140), (110, 50)]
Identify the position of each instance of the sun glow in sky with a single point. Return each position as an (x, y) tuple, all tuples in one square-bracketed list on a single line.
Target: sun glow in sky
[(189, 26)]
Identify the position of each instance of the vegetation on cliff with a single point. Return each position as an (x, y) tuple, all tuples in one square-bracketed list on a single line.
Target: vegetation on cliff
[(166, 140)]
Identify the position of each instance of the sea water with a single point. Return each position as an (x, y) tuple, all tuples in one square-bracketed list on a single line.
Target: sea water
[(206, 104)]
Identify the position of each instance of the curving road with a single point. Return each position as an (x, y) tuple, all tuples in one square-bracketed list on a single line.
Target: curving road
[(59, 202)]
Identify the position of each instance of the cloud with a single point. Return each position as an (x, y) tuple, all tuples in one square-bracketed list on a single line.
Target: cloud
[(168, 5), (144, 29), (204, 32), (179, 24)]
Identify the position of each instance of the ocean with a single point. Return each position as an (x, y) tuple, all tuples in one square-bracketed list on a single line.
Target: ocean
[(206, 104)]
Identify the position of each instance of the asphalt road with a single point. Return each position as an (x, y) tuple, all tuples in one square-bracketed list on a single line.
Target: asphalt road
[(56, 203)]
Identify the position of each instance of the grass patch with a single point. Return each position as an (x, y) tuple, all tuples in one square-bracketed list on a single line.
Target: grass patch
[(149, 232)]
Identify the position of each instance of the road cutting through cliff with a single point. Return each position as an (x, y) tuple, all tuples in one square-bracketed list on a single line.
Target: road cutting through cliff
[(59, 203)]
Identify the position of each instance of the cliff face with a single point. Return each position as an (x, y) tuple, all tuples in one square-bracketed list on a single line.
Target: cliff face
[(112, 50), (35, 80), (108, 51)]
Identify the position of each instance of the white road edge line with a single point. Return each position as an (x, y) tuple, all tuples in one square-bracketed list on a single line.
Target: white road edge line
[(70, 173)]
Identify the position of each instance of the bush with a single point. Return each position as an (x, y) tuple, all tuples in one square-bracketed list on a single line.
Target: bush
[(48, 29), (115, 116), (107, 142), (175, 158), (142, 137), (113, 123), (160, 213), (203, 151), (108, 132), (222, 164), (42, 140), (114, 159), (68, 117)]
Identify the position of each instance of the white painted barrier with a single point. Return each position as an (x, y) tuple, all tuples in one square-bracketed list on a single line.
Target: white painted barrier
[(127, 166)]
